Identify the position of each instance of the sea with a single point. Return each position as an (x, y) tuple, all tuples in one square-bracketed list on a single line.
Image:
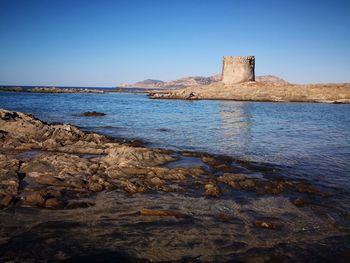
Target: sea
[(303, 141)]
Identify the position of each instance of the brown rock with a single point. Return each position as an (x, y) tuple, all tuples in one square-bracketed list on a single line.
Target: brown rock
[(300, 202), (54, 203), (32, 199), (155, 181), (226, 177), (126, 156), (304, 188), (5, 200), (172, 189), (210, 160), (74, 204), (50, 193), (95, 187), (135, 170), (129, 187), (237, 181), (149, 212), (247, 184), (212, 190)]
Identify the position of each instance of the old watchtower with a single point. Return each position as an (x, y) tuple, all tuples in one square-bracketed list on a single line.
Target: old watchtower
[(236, 69)]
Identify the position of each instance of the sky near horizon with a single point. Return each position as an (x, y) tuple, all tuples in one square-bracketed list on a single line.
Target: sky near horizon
[(103, 43)]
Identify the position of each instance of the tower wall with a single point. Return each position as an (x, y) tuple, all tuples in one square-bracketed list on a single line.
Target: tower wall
[(237, 69)]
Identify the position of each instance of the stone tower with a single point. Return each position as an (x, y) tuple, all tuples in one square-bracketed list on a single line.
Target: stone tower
[(238, 69)]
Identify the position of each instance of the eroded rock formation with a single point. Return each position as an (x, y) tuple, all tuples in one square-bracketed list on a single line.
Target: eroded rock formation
[(87, 195), (55, 165)]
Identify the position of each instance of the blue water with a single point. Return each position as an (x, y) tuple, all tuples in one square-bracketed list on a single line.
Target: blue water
[(308, 140)]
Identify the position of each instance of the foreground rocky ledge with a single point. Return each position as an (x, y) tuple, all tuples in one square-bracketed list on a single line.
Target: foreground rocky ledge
[(73, 195), (54, 165), (262, 91)]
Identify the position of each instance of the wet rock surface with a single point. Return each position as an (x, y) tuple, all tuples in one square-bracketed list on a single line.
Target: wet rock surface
[(62, 188)]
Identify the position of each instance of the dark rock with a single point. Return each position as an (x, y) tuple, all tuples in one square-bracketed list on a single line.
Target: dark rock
[(212, 190), (9, 116), (300, 202), (5, 200), (135, 143), (93, 114), (74, 204), (32, 199)]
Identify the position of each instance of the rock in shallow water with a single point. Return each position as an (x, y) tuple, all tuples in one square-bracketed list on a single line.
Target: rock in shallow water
[(93, 114), (60, 173)]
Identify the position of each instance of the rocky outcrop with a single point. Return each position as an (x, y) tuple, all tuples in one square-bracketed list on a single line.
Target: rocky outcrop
[(59, 166), (58, 172), (109, 195), (263, 91), (93, 114)]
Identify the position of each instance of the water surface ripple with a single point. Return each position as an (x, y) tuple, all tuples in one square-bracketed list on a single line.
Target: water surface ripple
[(311, 140)]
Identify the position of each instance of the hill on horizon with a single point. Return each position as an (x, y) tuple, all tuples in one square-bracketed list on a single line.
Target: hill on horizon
[(193, 81)]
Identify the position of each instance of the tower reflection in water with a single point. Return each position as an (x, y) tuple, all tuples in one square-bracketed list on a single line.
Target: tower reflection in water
[(236, 122)]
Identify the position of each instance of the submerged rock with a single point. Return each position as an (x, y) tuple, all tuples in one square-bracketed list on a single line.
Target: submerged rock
[(93, 114)]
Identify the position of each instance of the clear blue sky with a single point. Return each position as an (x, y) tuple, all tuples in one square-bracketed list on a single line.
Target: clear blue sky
[(103, 43)]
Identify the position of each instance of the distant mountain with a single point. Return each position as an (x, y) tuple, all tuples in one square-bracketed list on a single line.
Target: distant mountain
[(193, 81), (190, 81), (271, 79), (147, 83)]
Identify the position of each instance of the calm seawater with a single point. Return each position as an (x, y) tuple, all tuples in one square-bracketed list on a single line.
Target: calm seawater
[(307, 140)]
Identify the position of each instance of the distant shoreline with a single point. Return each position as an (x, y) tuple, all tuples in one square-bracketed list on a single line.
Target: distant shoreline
[(73, 89), (260, 91), (248, 91)]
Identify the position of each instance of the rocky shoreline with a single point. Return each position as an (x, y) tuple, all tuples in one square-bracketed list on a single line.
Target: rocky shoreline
[(58, 171), (50, 90), (48, 165), (262, 91), (74, 90)]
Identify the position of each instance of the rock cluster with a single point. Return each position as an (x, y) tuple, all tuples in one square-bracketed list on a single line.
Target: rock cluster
[(59, 166)]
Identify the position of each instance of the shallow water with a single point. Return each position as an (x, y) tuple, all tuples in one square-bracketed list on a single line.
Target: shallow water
[(309, 140), (298, 140)]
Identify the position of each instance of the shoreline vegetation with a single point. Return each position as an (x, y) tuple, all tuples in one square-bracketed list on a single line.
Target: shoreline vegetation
[(60, 184)]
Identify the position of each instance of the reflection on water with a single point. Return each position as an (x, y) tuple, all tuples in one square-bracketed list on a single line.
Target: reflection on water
[(235, 125)]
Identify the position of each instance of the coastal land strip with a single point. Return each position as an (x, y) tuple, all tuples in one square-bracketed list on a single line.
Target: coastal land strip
[(246, 91), (262, 91), (67, 194)]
